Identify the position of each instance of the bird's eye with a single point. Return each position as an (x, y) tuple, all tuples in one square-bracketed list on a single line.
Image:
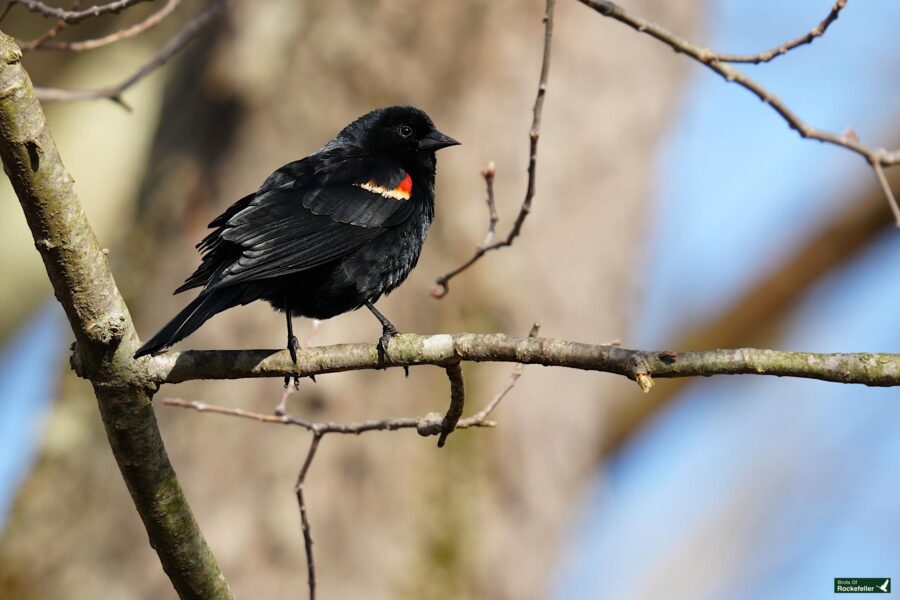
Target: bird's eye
[(405, 131)]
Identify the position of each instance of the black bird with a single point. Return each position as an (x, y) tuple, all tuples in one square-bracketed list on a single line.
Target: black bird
[(323, 235)]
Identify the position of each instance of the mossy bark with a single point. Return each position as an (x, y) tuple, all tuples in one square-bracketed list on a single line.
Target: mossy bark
[(104, 334)]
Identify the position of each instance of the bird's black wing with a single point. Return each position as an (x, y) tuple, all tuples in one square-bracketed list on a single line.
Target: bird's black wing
[(306, 214)]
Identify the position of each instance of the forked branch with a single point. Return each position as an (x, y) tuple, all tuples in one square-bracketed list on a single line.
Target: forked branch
[(876, 157), (534, 134), (782, 49), (46, 43), (169, 49)]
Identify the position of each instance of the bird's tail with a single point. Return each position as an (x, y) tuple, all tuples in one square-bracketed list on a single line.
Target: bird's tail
[(195, 314)]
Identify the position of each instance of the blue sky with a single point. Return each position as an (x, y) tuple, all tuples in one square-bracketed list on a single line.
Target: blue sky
[(752, 487), (28, 377), (737, 179)]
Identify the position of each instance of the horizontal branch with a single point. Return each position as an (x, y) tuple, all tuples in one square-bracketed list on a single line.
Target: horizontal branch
[(426, 425), (77, 16), (444, 350)]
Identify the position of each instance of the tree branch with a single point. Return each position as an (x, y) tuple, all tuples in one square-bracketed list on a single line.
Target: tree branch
[(782, 49), (76, 16), (44, 43), (47, 35), (876, 157), (304, 521), (426, 425), (430, 424), (873, 369), (104, 335), (170, 49), (534, 134)]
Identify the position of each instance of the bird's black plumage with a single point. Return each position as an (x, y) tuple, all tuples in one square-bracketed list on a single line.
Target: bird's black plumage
[(323, 235)]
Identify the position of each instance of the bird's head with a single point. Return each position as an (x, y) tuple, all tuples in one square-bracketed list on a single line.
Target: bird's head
[(402, 132)]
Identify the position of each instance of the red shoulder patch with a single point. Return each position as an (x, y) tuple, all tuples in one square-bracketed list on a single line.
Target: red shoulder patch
[(402, 191)]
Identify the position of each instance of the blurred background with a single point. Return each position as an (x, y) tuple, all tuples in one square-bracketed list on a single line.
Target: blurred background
[(673, 211)]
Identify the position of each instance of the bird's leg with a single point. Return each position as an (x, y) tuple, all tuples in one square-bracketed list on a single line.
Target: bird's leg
[(292, 346), (387, 332)]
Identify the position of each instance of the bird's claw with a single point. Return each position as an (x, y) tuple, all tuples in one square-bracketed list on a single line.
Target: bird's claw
[(386, 334), (292, 346)]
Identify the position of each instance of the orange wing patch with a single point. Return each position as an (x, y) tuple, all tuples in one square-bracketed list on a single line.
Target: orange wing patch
[(402, 191)]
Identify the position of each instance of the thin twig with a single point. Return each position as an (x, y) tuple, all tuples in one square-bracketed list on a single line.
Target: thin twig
[(534, 134), (304, 521), (6, 9), (47, 35), (517, 371), (769, 55), (886, 188), (715, 62), (172, 47), (488, 174), (426, 425), (124, 34), (77, 16)]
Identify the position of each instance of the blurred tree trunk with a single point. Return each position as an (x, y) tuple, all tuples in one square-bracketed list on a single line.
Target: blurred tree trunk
[(392, 516)]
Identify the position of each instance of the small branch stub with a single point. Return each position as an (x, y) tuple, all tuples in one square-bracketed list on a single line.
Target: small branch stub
[(645, 381)]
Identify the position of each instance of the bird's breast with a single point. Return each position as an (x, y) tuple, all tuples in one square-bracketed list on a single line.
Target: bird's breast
[(383, 264)]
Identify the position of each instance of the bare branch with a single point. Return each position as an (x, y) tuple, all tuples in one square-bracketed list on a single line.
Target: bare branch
[(769, 55), (124, 34), (72, 17), (423, 425), (889, 194), (873, 369), (304, 521), (714, 61), (443, 281), (430, 424), (170, 49), (517, 371), (48, 35), (534, 134), (104, 334), (708, 58), (6, 9)]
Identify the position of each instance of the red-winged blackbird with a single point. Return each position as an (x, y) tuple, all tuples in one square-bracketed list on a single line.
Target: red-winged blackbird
[(326, 234)]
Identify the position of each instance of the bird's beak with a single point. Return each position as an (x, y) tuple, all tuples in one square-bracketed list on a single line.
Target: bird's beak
[(435, 141)]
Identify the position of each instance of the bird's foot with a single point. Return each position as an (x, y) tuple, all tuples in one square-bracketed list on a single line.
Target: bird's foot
[(387, 332), (292, 346)]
